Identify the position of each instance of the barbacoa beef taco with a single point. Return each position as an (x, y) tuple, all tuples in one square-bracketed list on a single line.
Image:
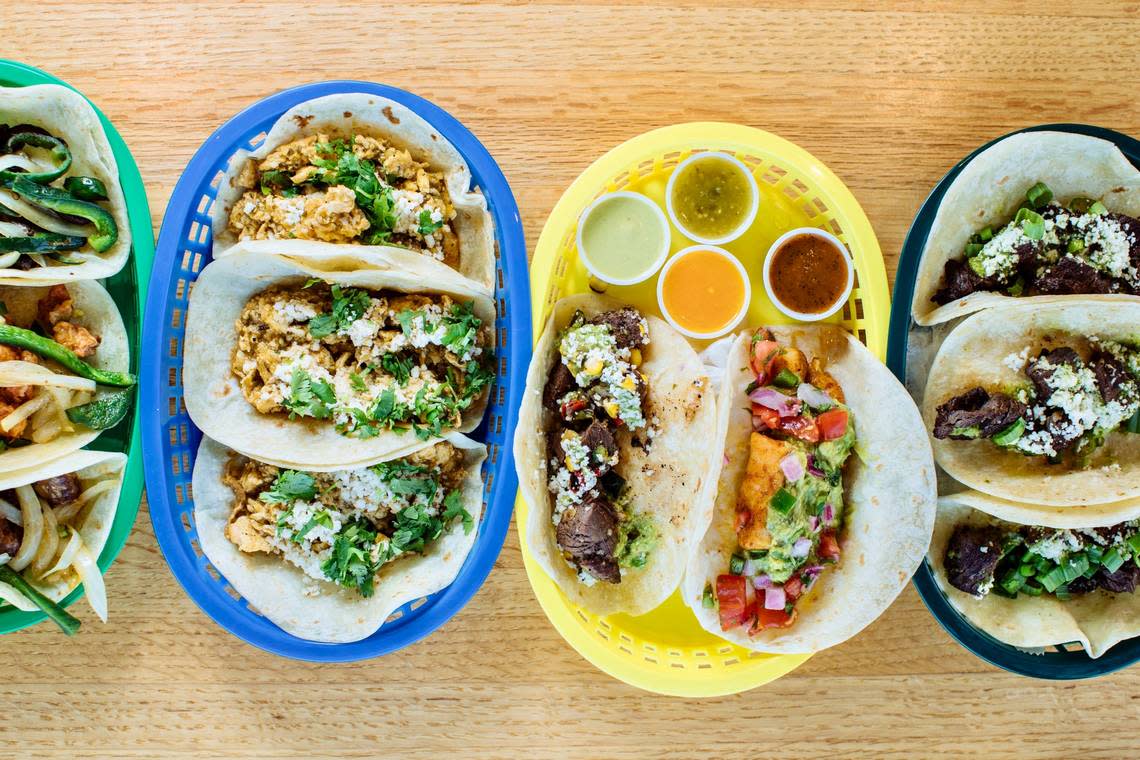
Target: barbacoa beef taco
[(826, 498), (323, 361), (1037, 216), (358, 169), (1039, 402), (328, 556), (1031, 585), (63, 370), (616, 454), (62, 212)]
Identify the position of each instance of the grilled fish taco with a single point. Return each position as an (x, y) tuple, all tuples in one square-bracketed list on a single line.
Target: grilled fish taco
[(358, 169), (62, 212), (1037, 216), (328, 556), (324, 361), (1042, 402), (616, 454), (826, 498)]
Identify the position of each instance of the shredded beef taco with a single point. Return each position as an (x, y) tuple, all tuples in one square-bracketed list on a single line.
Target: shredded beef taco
[(1041, 403), (358, 169), (328, 556), (826, 499), (62, 212), (1034, 585), (616, 454), (1037, 216), (323, 361)]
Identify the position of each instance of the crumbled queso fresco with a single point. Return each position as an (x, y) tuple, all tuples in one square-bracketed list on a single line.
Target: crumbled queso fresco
[(597, 363)]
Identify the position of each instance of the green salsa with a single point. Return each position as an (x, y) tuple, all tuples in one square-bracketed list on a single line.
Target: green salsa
[(711, 197), (623, 239)]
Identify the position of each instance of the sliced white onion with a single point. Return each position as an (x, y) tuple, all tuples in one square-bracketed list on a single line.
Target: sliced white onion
[(33, 521), (8, 260), (40, 218), (12, 229), (13, 597), (16, 373), (92, 579), (24, 411), (4, 558), (49, 542), (67, 556), (813, 396), (775, 598), (17, 161), (10, 512)]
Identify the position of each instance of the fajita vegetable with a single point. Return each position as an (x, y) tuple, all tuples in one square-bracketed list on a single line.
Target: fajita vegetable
[(62, 213)]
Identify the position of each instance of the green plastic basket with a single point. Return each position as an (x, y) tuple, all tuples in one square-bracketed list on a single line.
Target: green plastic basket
[(125, 287)]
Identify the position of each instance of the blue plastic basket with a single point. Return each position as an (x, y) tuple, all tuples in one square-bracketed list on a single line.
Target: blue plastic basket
[(170, 439), (1062, 662)]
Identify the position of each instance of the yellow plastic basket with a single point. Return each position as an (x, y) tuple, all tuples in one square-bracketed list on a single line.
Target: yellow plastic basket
[(666, 650)]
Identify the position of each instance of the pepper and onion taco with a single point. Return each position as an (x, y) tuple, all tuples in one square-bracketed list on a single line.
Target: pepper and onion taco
[(616, 454), (1041, 403), (63, 370), (1038, 216), (325, 361), (1035, 585), (54, 522), (62, 212), (826, 499), (328, 556), (358, 169)]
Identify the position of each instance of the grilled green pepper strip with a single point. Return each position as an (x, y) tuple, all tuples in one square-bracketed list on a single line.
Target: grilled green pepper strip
[(42, 242), (61, 617), (86, 188), (10, 335), (60, 154), (104, 412), (54, 199)]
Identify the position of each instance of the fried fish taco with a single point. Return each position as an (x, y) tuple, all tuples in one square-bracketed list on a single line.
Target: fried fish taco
[(62, 212), (1037, 216), (1041, 403), (615, 449), (364, 170), (328, 556), (826, 499)]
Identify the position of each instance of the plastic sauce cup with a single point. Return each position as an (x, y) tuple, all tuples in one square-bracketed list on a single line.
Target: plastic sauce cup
[(683, 169), (623, 238), (703, 291), (809, 276)]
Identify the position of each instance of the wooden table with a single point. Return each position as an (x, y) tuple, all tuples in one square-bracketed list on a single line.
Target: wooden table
[(889, 98)]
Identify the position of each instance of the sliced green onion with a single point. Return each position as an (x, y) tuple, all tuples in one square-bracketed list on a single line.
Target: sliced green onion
[(1012, 581), (1017, 288), (1112, 560), (973, 249), (1133, 541), (1039, 194), (1076, 245), (1062, 593), (1031, 588), (1052, 579), (1027, 570), (985, 234), (1032, 223), (1098, 209), (1080, 204), (1010, 434)]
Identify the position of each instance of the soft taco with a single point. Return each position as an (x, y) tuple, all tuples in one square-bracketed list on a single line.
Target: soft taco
[(64, 358), (328, 556), (1034, 585), (54, 522), (1035, 217), (358, 169), (1041, 402), (322, 360), (62, 212), (616, 454), (826, 499)]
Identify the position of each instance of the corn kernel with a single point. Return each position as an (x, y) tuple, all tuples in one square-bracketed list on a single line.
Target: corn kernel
[(628, 382), (594, 367), (611, 408), (635, 356), (569, 464)]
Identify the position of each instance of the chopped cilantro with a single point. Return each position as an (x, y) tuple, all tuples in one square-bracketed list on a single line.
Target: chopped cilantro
[(288, 486), (373, 197), (398, 367), (357, 382), (348, 306), (277, 180), (427, 226), (350, 563), (322, 518), (308, 397), (406, 317), (461, 332), (453, 507)]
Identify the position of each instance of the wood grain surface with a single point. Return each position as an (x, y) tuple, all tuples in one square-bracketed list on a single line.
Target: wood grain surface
[(889, 95)]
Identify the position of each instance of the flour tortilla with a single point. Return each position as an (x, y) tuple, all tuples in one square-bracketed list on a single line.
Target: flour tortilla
[(973, 355), (354, 113), (215, 401), (96, 310), (671, 483), (69, 116), (277, 589), (989, 190), (1097, 620), (890, 493), (91, 467)]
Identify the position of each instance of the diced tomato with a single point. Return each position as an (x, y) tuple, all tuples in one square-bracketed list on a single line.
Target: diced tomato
[(832, 424), (800, 427), (743, 517), (793, 587), (765, 417), (772, 619), (763, 352), (573, 405), (732, 600), (828, 545)]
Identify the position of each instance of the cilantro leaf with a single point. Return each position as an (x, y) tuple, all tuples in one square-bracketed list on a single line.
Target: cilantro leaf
[(357, 382), (348, 305), (453, 507), (290, 485), (350, 563), (397, 367), (308, 398), (322, 518), (427, 226)]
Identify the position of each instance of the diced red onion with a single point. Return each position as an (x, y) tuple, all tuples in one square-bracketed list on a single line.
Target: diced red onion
[(813, 523), (813, 396), (775, 598), (726, 460), (802, 547), (785, 406), (828, 513), (792, 467), (812, 469), (813, 570), (749, 568), (762, 581)]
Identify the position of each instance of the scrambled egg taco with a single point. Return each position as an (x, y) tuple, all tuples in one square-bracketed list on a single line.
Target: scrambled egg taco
[(616, 454), (322, 361), (62, 212), (1035, 217), (358, 169), (826, 499), (1041, 402), (328, 556)]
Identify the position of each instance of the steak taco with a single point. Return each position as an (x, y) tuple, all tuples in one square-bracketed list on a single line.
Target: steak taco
[(1041, 400), (328, 556), (324, 361), (359, 169), (1033, 585), (826, 499), (62, 212), (1036, 216), (616, 453)]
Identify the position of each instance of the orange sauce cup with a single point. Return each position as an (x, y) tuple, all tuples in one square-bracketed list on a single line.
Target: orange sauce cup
[(703, 291)]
